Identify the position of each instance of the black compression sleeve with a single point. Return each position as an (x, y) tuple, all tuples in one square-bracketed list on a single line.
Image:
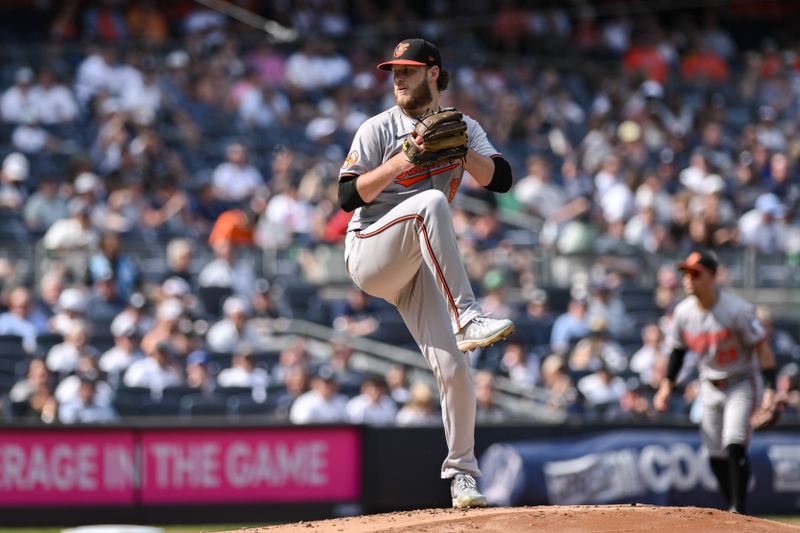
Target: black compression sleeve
[(349, 199), (770, 377), (501, 179), (675, 364)]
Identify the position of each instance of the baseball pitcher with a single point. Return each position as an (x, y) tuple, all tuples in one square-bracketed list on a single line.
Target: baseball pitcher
[(402, 171), (724, 332)]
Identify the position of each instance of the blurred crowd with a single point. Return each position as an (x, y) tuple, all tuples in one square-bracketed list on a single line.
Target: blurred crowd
[(153, 155)]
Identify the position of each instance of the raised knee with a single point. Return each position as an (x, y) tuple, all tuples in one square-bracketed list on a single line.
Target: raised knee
[(434, 199)]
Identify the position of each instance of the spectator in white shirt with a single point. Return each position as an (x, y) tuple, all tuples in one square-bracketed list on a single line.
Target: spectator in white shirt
[(53, 101), (235, 179), (226, 334), (322, 404), (71, 311), (75, 233), (63, 358), (157, 371), (17, 104), (96, 74), (225, 270), (244, 373), (86, 409), (373, 405), (536, 191), (68, 389), (116, 360), (652, 348)]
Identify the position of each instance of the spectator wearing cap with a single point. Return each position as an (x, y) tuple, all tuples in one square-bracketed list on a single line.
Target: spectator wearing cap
[(45, 207), (373, 405), (165, 329), (157, 371), (243, 372), (54, 102), (86, 409), (569, 326), (125, 351), (67, 389), (763, 228), (322, 404), (71, 310), (178, 288), (538, 319), (597, 350), (110, 259), (15, 321), (13, 174), (198, 376), (226, 334), (137, 311), (64, 357), (236, 179), (17, 104)]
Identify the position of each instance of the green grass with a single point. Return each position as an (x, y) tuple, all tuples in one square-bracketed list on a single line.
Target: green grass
[(786, 519)]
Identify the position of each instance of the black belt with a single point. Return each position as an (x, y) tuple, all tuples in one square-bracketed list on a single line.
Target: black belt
[(726, 383)]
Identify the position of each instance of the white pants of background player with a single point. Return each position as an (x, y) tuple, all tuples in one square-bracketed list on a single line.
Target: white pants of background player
[(726, 415), (410, 258)]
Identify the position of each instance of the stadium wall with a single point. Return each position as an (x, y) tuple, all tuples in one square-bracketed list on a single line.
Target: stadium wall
[(153, 473)]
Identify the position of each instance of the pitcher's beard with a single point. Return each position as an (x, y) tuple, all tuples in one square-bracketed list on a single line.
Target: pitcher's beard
[(416, 102)]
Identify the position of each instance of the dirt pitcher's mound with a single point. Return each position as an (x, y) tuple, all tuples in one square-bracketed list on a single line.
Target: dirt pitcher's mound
[(559, 519)]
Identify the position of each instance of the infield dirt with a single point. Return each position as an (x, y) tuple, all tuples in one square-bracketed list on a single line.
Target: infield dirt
[(560, 519)]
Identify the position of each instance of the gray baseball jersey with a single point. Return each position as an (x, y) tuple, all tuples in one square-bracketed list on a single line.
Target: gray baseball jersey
[(381, 137), (402, 247), (723, 338)]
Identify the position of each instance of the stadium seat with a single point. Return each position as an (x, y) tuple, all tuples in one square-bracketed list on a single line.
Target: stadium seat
[(198, 405), (212, 298), (11, 346)]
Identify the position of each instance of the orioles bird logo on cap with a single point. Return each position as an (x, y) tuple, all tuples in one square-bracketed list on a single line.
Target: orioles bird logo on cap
[(400, 49), (693, 258)]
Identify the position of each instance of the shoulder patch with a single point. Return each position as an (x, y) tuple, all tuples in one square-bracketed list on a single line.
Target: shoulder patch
[(351, 159)]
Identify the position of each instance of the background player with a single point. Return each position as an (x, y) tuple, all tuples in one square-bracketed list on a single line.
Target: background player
[(401, 245), (724, 332)]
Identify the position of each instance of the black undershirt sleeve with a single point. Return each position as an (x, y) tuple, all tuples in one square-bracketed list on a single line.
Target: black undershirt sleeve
[(675, 363), (349, 200), (501, 179)]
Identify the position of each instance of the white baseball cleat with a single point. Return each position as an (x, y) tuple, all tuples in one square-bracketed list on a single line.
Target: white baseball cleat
[(464, 491), (482, 332)]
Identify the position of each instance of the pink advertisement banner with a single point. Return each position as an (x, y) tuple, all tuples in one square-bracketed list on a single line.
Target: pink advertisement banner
[(46, 467), (155, 466), (239, 466)]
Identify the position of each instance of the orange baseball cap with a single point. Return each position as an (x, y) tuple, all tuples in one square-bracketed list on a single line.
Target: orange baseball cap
[(699, 262)]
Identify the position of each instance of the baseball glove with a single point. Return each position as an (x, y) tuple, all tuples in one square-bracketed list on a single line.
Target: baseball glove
[(767, 416), (444, 137)]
